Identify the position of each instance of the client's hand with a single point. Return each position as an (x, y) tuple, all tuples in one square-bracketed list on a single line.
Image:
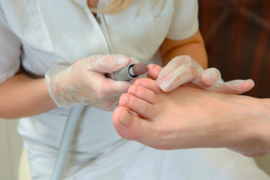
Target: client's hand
[(192, 118), (184, 70)]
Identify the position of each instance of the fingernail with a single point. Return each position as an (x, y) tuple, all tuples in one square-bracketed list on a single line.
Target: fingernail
[(125, 119), (238, 84), (211, 77), (165, 85), (122, 59), (251, 81), (125, 100)]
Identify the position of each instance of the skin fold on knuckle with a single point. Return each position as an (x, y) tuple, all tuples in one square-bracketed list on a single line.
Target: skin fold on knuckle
[(108, 105), (178, 61), (121, 100), (214, 75)]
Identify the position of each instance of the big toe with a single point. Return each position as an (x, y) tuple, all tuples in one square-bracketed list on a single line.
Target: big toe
[(130, 126)]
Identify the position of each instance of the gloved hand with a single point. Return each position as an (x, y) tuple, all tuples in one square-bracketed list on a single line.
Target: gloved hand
[(84, 82), (184, 70)]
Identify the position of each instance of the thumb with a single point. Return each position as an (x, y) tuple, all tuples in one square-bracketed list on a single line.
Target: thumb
[(107, 63), (210, 76), (131, 127)]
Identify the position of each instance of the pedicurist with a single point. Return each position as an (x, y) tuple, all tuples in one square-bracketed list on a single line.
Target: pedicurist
[(74, 44)]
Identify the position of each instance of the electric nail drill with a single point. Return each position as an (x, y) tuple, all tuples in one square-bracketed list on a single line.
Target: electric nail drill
[(127, 73)]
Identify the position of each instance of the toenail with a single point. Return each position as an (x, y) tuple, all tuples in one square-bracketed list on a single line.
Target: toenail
[(125, 119), (134, 89), (152, 66), (138, 82), (125, 100)]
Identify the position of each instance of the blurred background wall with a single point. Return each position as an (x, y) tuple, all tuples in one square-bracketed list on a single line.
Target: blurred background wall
[(10, 149), (237, 38)]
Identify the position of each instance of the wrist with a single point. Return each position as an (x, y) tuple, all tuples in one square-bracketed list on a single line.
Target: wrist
[(45, 95), (57, 81)]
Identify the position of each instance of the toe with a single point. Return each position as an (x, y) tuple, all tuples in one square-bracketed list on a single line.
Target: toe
[(153, 71), (144, 94), (149, 84), (138, 105), (137, 129)]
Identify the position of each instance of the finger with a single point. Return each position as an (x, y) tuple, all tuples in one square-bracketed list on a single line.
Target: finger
[(207, 80), (107, 63), (153, 71), (179, 76), (210, 76), (106, 104), (118, 87), (144, 94), (131, 127), (171, 66), (234, 87), (148, 84), (177, 62), (137, 105)]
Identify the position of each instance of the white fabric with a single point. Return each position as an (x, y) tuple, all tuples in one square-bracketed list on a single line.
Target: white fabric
[(61, 32)]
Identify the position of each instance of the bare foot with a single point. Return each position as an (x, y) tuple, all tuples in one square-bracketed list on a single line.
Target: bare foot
[(188, 118), (160, 116)]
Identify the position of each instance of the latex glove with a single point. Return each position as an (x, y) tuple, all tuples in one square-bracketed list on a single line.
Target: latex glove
[(84, 82), (184, 70)]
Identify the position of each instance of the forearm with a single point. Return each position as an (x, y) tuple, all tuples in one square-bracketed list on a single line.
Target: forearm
[(22, 96), (195, 50), (192, 46)]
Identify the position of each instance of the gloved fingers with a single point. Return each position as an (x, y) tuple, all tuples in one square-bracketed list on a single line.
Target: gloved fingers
[(107, 63), (153, 71), (174, 64), (183, 74), (210, 76), (111, 87), (170, 67), (106, 104), (233, 87), (206, 80)]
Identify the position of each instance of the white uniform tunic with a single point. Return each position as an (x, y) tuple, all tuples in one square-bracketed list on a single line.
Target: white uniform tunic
[(44, 33)]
